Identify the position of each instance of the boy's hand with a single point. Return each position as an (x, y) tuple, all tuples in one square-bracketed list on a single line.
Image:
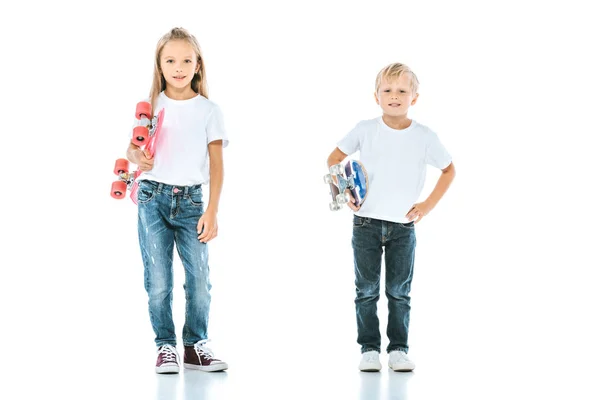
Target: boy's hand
[(207, 226), (144, 160), (418, 211), (351, 202)]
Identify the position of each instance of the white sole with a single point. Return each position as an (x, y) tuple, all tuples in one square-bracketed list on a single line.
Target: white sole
[(370, 368), (209, 368), (174, 369), (406, 368)]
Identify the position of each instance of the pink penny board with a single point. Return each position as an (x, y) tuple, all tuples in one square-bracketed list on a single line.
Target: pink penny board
[(151, 147)]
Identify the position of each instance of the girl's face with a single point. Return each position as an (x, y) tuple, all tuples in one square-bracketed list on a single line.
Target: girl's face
[(178, 63)]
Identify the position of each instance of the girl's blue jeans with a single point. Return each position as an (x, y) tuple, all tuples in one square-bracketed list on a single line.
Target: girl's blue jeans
[(167, 216)]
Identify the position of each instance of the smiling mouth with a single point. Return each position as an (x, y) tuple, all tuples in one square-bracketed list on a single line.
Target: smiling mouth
[(179, 77), (394, 104)]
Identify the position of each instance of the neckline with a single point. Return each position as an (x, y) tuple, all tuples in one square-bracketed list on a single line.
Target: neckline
[(167, 98), (385, 126)]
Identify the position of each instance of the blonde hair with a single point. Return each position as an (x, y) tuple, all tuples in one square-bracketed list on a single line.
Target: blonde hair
[(394, 71), (198, 81)]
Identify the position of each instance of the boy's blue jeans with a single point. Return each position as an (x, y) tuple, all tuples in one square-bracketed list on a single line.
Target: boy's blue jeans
[(369, 238), (169, 215)]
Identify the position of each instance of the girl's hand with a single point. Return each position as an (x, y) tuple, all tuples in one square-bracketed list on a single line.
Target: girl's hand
[(144, 160), (418, 211), (207, 227)]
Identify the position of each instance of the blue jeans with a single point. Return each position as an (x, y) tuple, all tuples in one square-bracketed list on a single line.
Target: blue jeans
[(169, 215), (369, 238)]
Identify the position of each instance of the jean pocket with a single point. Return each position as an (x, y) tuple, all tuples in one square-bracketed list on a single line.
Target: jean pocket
[(145, 193), (196, 198), (358, 221), (408, 225)]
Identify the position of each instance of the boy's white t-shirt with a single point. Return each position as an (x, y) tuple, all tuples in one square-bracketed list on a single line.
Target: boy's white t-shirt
[(181, 156), (396, 162)]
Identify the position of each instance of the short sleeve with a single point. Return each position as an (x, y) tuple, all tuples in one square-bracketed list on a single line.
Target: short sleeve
[(215, 127), (437, 155), (351, 142)]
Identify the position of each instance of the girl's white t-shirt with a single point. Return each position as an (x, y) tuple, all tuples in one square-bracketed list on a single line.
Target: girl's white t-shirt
[(181, 155), (396, 161)]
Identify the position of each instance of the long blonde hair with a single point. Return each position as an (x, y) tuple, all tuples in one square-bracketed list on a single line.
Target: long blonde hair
[(198, 81)]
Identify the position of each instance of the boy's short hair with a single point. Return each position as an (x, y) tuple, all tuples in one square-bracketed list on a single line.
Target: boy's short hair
[(394, 71)]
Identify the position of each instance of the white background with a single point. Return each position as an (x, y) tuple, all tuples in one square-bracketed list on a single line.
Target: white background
[(505, 294)]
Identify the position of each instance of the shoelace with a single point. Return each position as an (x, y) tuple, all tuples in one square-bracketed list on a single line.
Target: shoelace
[(203, 350), (401, 356), (372, 357), (168, 354)]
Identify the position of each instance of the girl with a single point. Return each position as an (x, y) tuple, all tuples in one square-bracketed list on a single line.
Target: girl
[(170, 201)]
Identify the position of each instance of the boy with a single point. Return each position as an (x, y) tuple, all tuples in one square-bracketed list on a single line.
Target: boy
[(394, 150)]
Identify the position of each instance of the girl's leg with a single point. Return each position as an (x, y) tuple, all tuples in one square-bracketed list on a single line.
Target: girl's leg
[(156, 243), (194, 257)]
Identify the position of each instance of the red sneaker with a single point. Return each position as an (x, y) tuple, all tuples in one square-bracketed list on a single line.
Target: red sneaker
[(167, 361), (201, 357)]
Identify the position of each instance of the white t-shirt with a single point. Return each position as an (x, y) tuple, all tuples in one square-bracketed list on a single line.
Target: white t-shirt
[(395, 160), (181, 156)]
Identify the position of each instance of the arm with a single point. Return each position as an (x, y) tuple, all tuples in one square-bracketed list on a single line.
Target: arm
[(336, 157), (442, 185), (207, 225), (420, 210), (215, 153)]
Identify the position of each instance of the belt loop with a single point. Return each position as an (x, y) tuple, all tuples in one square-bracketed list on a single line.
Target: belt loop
[(160, 186), (186, 190)]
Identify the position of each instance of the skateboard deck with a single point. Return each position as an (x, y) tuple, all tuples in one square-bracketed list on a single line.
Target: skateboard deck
[(351, 176), (145, 135)]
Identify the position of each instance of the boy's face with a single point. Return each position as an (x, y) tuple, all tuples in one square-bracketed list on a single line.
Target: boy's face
[(395, 96), (178, 63)]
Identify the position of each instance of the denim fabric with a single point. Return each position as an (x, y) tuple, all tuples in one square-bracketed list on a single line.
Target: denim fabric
[(370, 237), (168, 215)]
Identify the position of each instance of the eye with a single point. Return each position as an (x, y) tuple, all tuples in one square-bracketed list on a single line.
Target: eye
[(188, 61), (169, 61), (386, 90)]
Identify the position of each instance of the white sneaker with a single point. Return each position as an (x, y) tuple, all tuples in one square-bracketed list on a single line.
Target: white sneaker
[(370, 361), (399, 361)]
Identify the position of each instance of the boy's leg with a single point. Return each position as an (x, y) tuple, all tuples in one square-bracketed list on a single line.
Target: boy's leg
[(156, 244), (366, 244), (399, 261), (194, 257)]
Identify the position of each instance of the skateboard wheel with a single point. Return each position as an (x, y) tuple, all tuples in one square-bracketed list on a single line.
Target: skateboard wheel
[(342, 198), (118, 190), (140, 135), (336, 169), (143, 108), (328, 179), (121, 166), (333, 206)]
